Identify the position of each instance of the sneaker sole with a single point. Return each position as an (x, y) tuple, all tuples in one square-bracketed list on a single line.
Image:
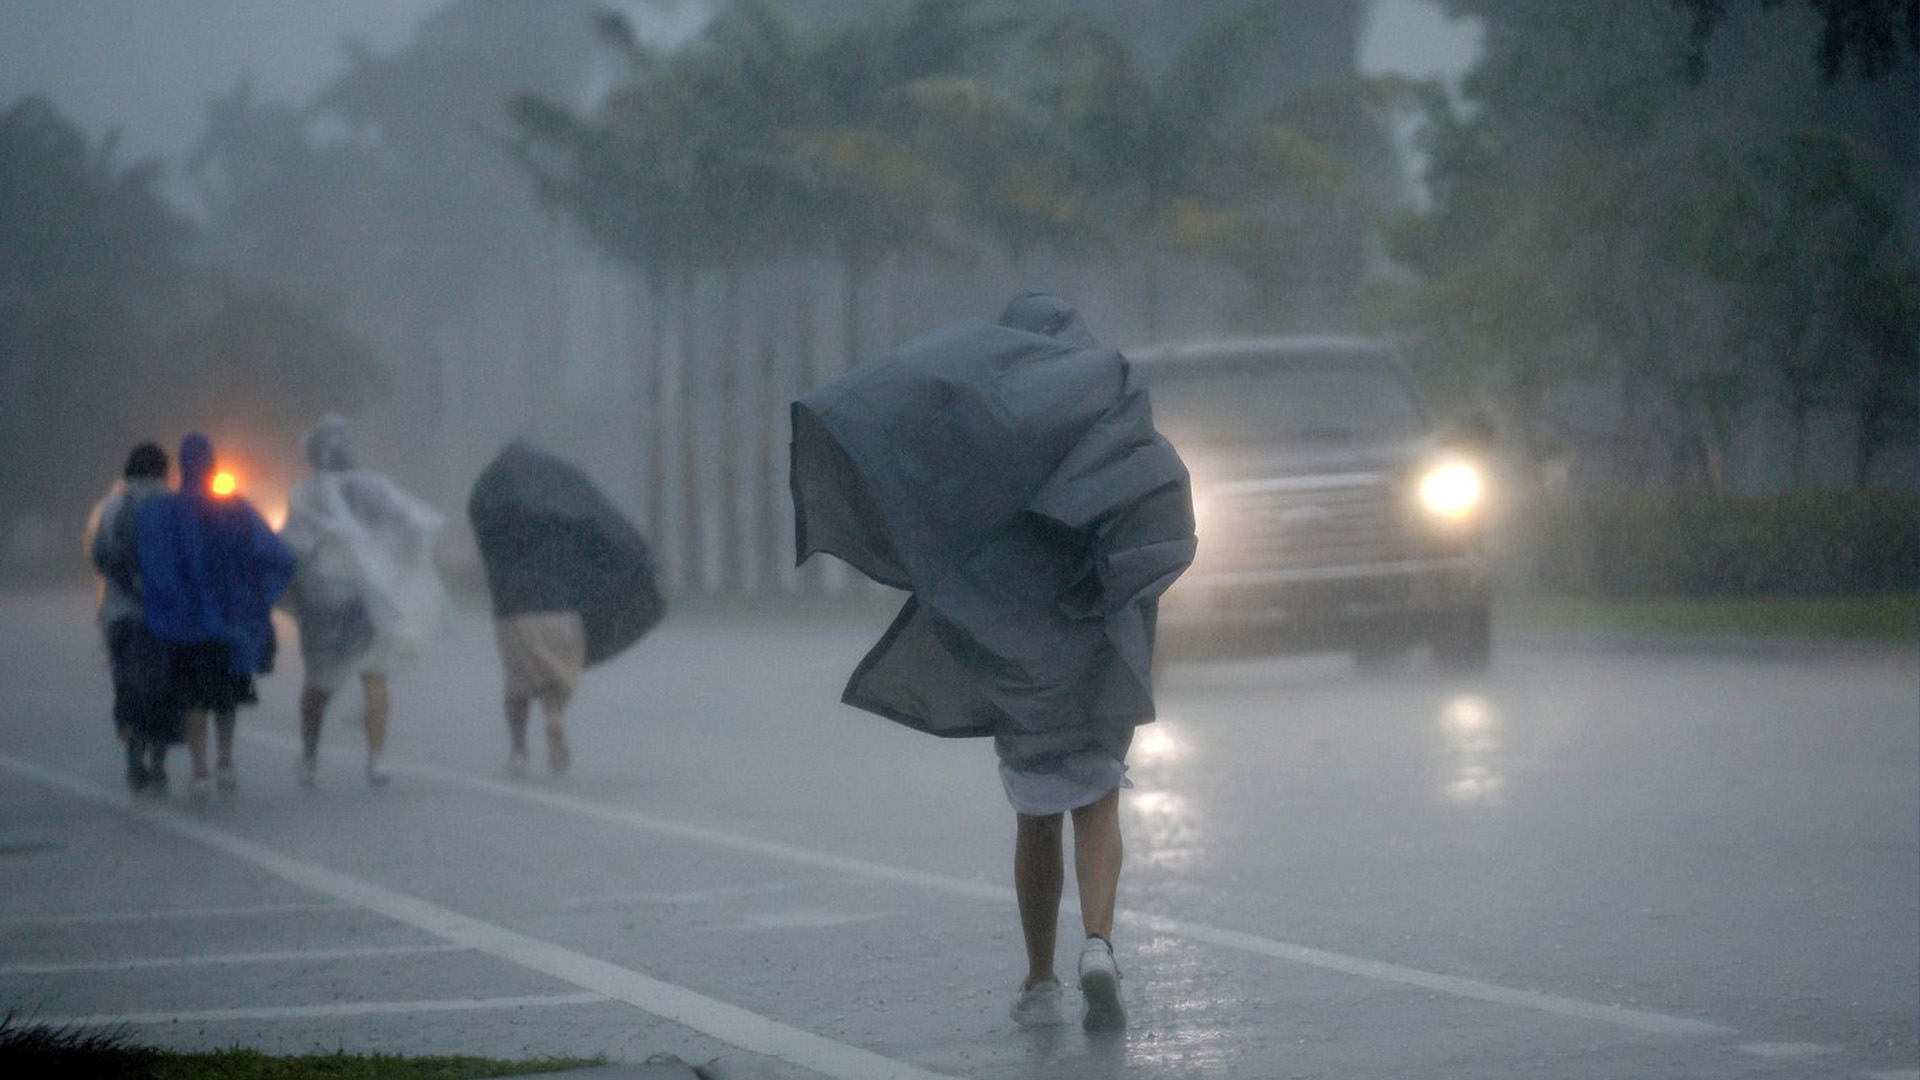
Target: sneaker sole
[(1104, 1011)]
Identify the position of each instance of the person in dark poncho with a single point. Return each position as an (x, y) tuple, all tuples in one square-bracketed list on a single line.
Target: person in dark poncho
[(210, 571), (1009, 477), (144, 713), (571, 582)]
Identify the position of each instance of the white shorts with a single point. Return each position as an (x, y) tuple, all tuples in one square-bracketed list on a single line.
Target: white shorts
[(1082, 778)]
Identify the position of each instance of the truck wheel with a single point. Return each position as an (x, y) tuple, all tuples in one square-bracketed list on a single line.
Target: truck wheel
[(1464, 642)]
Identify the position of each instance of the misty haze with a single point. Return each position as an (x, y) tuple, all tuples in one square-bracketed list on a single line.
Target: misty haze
[(503, 496)]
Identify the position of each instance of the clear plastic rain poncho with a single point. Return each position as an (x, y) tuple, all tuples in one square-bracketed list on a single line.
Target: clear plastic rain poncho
[(365, 593)]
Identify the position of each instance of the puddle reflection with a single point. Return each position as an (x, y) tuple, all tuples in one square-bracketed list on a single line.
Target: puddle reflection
[(1470, 743), (1162, 742), (1160, 822)]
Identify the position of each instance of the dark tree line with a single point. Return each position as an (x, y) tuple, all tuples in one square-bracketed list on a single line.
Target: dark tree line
[(111, 332)]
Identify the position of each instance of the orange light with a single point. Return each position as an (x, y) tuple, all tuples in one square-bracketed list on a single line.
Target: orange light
[(224, 483)]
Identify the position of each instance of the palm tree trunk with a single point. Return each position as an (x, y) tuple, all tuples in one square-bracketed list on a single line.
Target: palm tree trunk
[(850, 333), (669, 419), (778, 351), (743, 361), (703, 439), (1151, 272)]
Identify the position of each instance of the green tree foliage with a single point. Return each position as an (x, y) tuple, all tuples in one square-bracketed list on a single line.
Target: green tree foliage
[(763, 138), (1599, 220), (99, 336), (1179, 159), (1824, 273), (1874, 34), (90, 257), (263, 364)]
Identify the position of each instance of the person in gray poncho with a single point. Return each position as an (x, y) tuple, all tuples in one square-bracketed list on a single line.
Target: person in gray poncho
[(1010, 478), (366, 594)]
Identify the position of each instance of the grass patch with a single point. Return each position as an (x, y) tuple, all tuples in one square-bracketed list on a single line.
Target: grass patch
[(34, 1051), (237, 1064), (1892, 618)]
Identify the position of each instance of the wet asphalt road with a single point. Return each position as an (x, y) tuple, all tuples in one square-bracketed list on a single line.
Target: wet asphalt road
[(1591, 862)]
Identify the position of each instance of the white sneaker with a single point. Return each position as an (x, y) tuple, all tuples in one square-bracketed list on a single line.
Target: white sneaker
[(1038, 1005), (309, 773), (1100, 985), (517, 765), (377, 774)]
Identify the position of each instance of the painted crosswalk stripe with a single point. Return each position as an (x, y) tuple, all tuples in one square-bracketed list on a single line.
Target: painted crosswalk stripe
[(728, 1023), (1787, 1049), (338, 1008), (218, 959), (82, 918)]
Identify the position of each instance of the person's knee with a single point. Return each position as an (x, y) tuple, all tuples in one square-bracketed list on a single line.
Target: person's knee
[(1100, 811), (1041, 827)]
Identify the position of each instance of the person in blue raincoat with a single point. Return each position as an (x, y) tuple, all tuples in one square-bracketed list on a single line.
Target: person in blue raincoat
[(210, 571), (1010, 478)]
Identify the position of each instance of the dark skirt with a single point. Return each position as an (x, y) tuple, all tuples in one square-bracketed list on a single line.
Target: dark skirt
[(203, 679), (143, 703)]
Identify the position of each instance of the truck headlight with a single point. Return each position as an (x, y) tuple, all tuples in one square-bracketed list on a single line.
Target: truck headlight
[(1453, 490)]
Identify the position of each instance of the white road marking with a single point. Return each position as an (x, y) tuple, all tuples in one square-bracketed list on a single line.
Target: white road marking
[(1787, 1049), (217, 959), (728, 1023), (82, 918), (308, 1012), (802, 920), (1634, 1019), (1655, 1023)]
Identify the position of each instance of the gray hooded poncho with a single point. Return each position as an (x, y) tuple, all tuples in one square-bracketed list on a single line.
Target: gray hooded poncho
[(1010, 477)]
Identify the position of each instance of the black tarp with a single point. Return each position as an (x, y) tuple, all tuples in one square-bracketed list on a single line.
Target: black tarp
[(550, 541), (1013, 482)]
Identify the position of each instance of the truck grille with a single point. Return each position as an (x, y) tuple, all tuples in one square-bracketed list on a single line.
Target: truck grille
[(1320, 523)]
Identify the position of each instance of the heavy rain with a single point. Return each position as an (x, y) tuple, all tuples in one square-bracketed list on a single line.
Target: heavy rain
[(960, 538)]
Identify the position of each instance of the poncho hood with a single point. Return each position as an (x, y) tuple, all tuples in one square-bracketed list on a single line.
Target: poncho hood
[(325, 444), (1013, 482)]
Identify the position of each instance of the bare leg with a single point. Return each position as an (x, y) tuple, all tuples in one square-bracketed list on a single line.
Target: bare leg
[(223, 739), (313, 712), (375, 685), (1096, 861), (559, 757), (1038, 875), (197, 742), (517, 709)]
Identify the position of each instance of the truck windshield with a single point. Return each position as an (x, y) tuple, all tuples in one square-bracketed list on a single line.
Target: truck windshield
[(1282, 404)]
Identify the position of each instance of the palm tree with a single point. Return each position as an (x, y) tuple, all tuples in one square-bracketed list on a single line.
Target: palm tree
[(1169, 155)]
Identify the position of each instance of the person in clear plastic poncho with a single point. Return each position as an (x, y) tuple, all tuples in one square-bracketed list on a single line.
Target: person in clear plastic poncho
[(365, 594)]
